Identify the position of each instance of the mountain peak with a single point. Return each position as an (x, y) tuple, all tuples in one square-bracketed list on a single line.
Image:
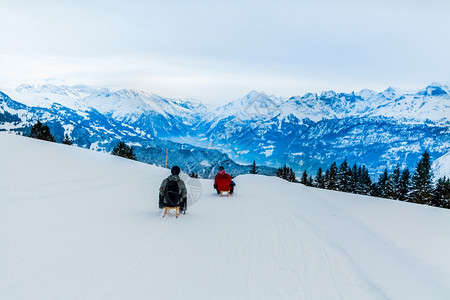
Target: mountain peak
[(253, 94), (435, 89), (327, 95)]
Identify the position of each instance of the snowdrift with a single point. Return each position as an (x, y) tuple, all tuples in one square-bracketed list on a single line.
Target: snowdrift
[(78, 224)]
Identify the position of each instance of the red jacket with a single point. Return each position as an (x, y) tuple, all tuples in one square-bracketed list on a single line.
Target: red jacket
[(222, 181)]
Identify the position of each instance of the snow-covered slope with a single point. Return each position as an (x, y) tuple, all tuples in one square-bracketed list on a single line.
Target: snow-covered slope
[(441, 167), (78, 224)]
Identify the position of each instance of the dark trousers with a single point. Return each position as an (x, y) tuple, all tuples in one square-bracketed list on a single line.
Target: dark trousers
[(182, 204)]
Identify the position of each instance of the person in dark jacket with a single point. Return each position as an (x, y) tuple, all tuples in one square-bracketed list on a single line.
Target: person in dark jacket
[(223, 182), (182, 191)]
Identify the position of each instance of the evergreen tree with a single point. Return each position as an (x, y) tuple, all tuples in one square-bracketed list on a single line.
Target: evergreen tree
[(327, 180), (67, 140), (375, 190), (396, 175), (291, 176), (404, 185), (42, 132), (253, 168), (365, 181), (354, 179), (422, 185), (193, 175), (441, 194), (332, 178), (123, 150), (343, 177), (385, 185), (280, 172), (286, 173), (304, 179), (320, 180), (310, 181)]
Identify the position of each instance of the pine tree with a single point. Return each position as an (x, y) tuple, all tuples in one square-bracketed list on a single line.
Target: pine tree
[(343, 177), (254, 168), (42, 132), (396, 175), (354, 179), (286, 173), (67, 140), (280, 172), (320, 180), (291, 176), (441, 194), (366, 181), (385, 185), (283, 172), (304, 179), (375, 190), (404, 186), (310, 181), (332, 178), (422, 184), (193, 175), (123, 150)]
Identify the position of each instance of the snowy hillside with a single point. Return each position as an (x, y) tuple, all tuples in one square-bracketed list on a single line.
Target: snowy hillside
[(78, 224), (441, 167)]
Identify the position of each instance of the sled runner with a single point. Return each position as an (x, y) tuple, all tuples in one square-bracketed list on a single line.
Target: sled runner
[(175, 208), (224, 193)]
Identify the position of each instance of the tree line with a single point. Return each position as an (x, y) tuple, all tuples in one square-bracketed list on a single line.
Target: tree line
[(403, 185)]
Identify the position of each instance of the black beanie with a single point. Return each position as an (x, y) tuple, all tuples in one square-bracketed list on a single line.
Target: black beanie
[(221, 168), (175, 170)]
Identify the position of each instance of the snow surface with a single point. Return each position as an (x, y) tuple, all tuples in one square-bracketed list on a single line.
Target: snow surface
[(78, 224), (441, 166)]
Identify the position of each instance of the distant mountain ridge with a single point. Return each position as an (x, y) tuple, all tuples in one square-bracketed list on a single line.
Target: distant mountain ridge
[(305, 132)]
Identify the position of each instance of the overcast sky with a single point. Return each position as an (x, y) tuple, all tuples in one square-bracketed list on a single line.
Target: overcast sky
[(219, 51)]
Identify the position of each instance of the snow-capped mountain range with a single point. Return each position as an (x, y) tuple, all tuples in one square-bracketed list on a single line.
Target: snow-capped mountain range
[(306, 132)]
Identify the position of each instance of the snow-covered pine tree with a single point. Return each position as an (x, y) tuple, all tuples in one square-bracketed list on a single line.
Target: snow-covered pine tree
[(422, 185)]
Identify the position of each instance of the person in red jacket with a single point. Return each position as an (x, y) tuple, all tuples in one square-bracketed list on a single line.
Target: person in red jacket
[(223, 182)]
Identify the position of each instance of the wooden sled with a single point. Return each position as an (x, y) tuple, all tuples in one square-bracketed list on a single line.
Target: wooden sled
[(223, 193), (176, 209)]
